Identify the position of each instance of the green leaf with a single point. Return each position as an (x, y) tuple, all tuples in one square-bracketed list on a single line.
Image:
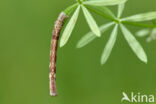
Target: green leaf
[(89, 37), (141, 17), (69, 28), (134, 44), (153, 32), (104, 2), (143, 33), (109, 46), (91, 22), (120, 9), (152, 36), (102, 11)]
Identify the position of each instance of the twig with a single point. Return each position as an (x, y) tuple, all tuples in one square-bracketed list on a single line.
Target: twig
[(53, 51)]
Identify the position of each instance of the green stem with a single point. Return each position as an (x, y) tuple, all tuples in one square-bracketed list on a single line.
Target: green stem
[(103, 15), (138, 24)]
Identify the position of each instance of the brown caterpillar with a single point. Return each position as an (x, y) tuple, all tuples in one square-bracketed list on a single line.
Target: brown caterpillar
[(53, 51)]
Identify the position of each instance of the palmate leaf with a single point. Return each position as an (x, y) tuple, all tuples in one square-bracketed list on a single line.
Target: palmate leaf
[(109, 46), (120, 9), (141, 17), (69, 28), (104, 2), (134, 44), (89, 37), (91, 22)]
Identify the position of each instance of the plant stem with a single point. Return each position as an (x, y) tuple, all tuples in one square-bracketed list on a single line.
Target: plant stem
[(103, 15), (139, 24), (53, 51)]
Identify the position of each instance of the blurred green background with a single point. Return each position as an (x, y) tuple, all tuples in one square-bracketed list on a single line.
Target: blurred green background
[(25, 35)]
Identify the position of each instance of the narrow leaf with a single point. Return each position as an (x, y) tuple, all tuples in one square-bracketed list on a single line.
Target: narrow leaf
[(109, 46), (153, 32), (104, 2), (120, 9), (152, 36), (89, 37), (143, 33), (141, 17), (134, 44), (69, 28), (91, 22)]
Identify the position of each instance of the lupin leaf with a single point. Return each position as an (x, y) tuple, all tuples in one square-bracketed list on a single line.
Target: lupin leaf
[(109, 46), (134, 44), (69, 28), (91, 22), (89, 37)]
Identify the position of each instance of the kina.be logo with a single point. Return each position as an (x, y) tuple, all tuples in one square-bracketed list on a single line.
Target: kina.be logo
[(137, 98)]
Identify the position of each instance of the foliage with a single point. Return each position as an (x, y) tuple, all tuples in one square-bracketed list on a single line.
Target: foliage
[(98, 7)]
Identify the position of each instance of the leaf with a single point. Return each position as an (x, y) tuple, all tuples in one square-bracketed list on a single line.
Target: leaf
[(109, 46), (152, 36), (120, 9), (89, 37), (143, 32), (69, 28), (104, 2), (141, 17), (134, 44), (103, 11), (153, 32), (91, 22)]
